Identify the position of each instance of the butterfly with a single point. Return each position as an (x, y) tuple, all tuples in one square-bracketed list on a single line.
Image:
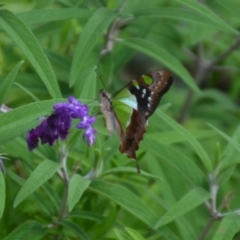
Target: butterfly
[(128, 110)]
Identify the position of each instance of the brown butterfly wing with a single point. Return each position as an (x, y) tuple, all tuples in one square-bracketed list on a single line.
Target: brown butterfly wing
[(133, 135), (148, 96)]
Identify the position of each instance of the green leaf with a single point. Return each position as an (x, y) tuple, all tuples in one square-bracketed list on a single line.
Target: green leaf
[(37, 197), (92, 32), (229, 226), (235, 144), (88, 90), (134, 234), (108, 222), (47, 15), (182, 163), (75, 229), (28, 43), (130, 170), (161, 55), (19, 120), (5, 86), (27, 92), (121, 235), (28, 231), (111, 145), (207, 13), (188, 15), (189, 137), (230, 157), (105, 69), (40, 175), (190, 201), (125, 199), (169, 234), (170, 137), (2, 193), (77, 186), (96, 217)]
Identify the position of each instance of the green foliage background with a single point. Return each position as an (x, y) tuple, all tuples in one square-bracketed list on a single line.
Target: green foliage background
[(189, 184)]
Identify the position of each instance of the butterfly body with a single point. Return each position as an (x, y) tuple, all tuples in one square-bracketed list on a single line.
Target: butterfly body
[(144, 95)]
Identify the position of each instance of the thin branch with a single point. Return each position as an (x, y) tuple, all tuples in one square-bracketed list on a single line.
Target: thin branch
[(64, 174), (206, 229), (63, 158), (204, 68), (214, 189), (190, 53), (222, 215), (225, 54), (224, 69), (211, 206), (113, 32)]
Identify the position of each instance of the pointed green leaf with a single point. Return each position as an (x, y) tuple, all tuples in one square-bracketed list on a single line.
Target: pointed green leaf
[(28, 43), (190, 201), (88, 88), (171, 137), (161, 55), (96, 217), (169, 234), (19, 120), (111, 145), (231, 153), (5, 86), (189, 137), (92, 32), (182, 163), (40, 175), (105, 69), (189, 15), (134, 234), (47, 15), (2, 193), (75, 229), (230, 225), (235, 144), (37, 197), (27, 92), (121, 235), (207, 13), (126, 199), (28, 231), (77, 186), (230, 157), (130, 170)]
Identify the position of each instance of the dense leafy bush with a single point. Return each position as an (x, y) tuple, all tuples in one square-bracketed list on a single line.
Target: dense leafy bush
[(188, 186)]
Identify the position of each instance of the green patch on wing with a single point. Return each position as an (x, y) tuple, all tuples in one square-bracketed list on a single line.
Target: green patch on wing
[(123, 105), (148, 80)]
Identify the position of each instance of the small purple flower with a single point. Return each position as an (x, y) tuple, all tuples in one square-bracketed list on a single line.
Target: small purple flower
[(57, 125), (89, 135)]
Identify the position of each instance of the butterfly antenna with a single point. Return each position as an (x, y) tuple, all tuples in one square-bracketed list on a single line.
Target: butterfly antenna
[(100, 77)]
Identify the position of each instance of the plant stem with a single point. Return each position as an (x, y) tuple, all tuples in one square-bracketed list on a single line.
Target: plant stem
[(206, 229), (63, 157), (64, 174), (203, 69)]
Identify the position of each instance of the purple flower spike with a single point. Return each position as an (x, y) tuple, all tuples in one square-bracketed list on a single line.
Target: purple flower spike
[(57, 125), (89, 135)]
